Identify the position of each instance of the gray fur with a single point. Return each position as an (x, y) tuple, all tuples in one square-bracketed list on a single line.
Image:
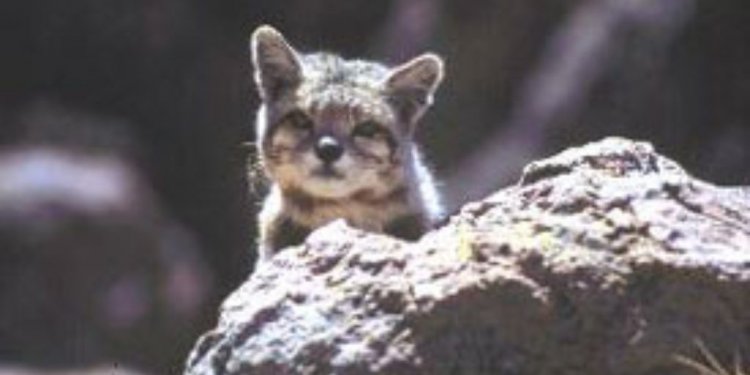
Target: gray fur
[(379, 183)]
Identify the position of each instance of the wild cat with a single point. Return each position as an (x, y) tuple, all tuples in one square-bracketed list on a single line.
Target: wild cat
[(336, 139)]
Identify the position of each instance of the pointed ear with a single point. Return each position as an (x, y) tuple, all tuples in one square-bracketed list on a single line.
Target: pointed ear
[(412, 85), (277, 66)]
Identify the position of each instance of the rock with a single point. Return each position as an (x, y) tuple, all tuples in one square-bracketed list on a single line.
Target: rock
[(99, 370), (604, 259), (92, 271)]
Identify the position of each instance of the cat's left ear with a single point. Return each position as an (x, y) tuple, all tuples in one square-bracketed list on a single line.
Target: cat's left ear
[(412, 85), (277, 66)]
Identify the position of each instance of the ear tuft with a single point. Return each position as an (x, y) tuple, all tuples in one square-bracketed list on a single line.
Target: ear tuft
[(276, 64), (413, 84)]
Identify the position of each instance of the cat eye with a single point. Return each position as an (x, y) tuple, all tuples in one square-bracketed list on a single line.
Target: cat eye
[(367, 129), (299, 121)]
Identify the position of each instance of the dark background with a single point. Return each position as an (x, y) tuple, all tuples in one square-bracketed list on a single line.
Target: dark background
[(160, 92)]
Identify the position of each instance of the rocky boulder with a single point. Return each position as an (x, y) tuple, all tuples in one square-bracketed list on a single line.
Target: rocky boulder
[(604, 259), (92, 271)]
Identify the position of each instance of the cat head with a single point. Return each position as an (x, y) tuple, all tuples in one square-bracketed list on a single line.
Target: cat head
[(334, 127)]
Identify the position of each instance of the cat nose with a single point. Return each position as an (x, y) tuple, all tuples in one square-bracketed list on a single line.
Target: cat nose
[(328, 149)]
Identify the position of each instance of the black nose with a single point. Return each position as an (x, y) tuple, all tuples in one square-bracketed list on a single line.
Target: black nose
[(328, 149)]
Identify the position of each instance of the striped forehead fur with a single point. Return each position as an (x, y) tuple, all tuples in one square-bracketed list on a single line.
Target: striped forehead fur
[(330, 80), (328, 69)]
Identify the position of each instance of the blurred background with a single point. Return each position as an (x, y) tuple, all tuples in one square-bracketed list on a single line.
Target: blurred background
[(125, 212)]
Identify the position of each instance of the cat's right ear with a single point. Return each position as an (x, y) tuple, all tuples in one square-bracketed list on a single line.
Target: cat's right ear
[(276, 64)]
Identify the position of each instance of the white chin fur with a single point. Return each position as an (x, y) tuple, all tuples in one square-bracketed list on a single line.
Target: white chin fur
[(326, 187)]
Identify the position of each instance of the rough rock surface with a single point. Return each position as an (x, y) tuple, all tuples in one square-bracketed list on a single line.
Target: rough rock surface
[(604, 259)]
